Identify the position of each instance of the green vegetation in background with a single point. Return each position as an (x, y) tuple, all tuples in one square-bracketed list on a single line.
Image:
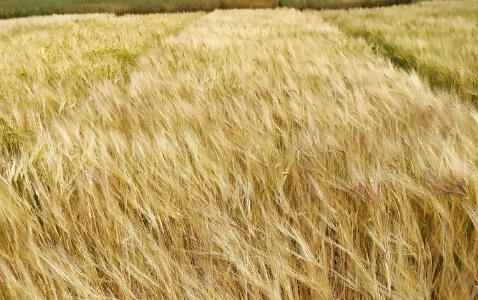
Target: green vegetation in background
[(437, 39), (24, 8), (338, 4), (11, 9)]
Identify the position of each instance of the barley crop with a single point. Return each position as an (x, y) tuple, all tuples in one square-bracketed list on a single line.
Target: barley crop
[(254, 154)]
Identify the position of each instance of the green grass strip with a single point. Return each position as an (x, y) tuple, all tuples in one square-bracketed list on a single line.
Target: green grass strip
[(438, 78)]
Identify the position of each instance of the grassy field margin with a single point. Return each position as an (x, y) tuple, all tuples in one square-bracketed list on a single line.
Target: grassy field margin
[(436, 39)]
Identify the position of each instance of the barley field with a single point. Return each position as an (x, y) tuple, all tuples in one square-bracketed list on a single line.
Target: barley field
[(242, 154)]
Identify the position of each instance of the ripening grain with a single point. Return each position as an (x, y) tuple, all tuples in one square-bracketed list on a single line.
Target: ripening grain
[(438, 39), (256, 154), (48, 64)]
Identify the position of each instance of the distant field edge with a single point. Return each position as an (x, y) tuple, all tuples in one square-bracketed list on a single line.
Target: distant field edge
[(339, 4), (26, 8)]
